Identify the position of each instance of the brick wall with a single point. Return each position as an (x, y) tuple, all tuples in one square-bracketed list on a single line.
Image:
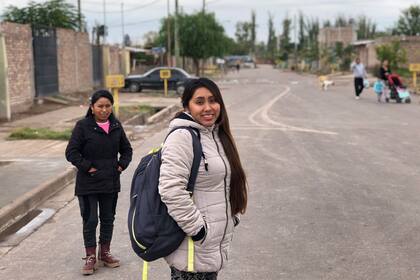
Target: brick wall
[(412, 47), (411, 44), (20, 76), (74, 56), (328, 36)]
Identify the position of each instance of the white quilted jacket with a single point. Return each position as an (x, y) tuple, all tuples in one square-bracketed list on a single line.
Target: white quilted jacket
[(210, 201)]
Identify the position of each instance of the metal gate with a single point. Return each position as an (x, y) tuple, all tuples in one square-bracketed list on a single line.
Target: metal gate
[(45, 58), (97, 65)]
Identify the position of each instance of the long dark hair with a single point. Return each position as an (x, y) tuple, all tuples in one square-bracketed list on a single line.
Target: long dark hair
[(95, 97), (238, 182)]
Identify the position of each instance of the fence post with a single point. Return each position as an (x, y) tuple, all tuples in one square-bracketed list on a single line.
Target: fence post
[(5, 112), (105, 61)]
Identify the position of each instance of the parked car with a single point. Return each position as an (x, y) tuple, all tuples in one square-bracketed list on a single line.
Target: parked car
[(151, 80), (249, 64)]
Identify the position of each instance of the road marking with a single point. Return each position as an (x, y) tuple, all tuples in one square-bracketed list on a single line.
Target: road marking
[(263, 113)]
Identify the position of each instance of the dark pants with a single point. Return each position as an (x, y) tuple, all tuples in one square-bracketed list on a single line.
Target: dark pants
[(89, 211), (183, 275), (358, 85)]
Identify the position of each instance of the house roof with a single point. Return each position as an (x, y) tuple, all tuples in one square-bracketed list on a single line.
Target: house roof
[(363, 42), (137, 50)]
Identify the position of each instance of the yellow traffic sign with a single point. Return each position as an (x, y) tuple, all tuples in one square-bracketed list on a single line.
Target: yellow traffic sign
[(165, 73), (414, 67), (114, 81)]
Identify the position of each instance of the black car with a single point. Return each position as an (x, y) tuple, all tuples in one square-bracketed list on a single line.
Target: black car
[(152, 80)]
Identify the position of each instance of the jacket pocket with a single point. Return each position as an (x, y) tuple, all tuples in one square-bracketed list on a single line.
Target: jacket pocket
[(102, 174), (206, 240)]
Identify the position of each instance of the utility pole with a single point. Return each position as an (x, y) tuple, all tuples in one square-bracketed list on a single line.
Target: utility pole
[(177, 62), (104, 10), (295, 31), (122, 24), (169, 59), (204, 6), (79, 15)]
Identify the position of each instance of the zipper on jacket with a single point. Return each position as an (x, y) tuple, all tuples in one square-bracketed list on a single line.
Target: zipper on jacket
[(226, 202), (206, 164)]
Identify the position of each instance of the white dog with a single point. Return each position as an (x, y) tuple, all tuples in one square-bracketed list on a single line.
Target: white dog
[(324, 82)]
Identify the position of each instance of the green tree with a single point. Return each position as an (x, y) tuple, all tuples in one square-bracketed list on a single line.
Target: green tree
[(272, 41), (341, 21), (348, 53), (260, 49), (149, 40), (53, 13), (127, 40), (302, 35), (98, 33), (312, 28), (285, 41), (253, 31), (201, 37), (326, 23), (409, 22), (162, 38), (366, 29), (393, 53), (243, 36)]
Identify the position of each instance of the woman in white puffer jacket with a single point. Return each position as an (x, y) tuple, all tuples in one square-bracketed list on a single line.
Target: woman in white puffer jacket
[(220, 192)]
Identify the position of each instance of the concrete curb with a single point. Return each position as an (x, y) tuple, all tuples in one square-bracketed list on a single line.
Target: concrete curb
[(162, 114), (14, 211)]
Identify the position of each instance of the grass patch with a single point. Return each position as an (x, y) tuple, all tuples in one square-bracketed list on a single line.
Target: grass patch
[(39, 133), (126, 112), (139, 109)]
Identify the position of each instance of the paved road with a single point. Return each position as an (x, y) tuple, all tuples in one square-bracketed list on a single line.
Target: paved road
[(333, 190)]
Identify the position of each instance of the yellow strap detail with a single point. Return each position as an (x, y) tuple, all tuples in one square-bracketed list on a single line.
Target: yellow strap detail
[(154, 150), (190, 255), (145, 268)]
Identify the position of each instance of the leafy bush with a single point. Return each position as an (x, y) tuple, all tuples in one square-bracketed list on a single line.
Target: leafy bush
[(393, 53)]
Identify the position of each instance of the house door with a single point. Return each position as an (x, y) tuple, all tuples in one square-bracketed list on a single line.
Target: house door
[(45, 58)]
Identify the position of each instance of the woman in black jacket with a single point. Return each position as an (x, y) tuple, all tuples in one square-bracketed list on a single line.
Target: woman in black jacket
[(384, 71), (93, 148)]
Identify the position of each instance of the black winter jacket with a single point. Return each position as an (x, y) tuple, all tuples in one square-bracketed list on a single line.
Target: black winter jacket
[(90, 146)]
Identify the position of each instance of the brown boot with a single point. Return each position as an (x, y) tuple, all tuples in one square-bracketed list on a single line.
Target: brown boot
[(105, 257), (90, 264)]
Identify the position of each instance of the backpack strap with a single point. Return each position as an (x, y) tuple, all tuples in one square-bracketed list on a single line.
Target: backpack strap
[(198, 154)]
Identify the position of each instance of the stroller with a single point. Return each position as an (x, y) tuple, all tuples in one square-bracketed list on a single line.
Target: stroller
[(398, 91)]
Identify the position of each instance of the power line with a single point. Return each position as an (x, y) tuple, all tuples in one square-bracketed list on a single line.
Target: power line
[(134, 23), (125, 11)]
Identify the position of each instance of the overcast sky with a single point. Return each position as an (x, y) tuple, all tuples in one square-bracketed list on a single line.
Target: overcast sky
[(142, 16)]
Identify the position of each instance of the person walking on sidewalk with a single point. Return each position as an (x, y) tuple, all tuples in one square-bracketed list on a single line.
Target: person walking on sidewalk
[(93, 148), (359, 73), (209, 215)]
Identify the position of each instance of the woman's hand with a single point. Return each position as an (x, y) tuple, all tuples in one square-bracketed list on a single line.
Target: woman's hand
[(120, 169), (92, 169)]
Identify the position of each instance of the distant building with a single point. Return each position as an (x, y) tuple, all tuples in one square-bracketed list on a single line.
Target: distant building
[(329, 36), (366, 49)]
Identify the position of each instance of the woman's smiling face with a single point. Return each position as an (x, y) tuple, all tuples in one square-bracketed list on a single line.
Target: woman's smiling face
[(203, 107), (102, 109)]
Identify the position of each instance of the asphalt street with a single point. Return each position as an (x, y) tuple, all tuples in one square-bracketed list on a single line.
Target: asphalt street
[(333, 190)]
